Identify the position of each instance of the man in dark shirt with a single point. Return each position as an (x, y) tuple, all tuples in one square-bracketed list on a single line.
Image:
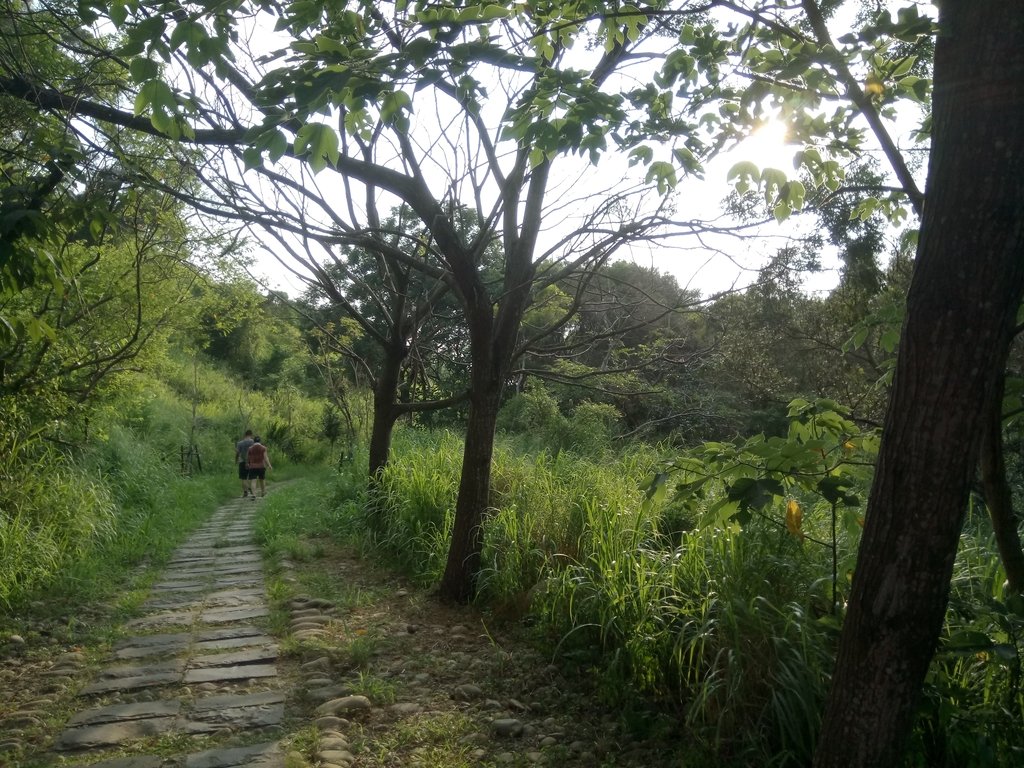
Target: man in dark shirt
[(241, 451)]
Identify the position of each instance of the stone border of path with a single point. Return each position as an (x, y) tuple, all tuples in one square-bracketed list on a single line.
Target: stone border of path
[(196, 665)]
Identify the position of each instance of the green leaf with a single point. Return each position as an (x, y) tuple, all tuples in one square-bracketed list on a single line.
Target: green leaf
[(492, 12), (835, 491), (641, 154), (276, 146), (773, 180), (904, 66), (252, 157), (142, 69), (320, 141), (743, 170), (750, 492), (968, 641), (118, 13), (664, 173)]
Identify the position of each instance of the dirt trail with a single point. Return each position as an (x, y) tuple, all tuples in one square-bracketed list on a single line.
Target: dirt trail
[(345, 666)]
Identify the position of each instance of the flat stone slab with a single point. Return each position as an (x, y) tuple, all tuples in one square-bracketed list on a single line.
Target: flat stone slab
[(255, 710), (235, 552), (172, 618), (153, 641), (178, 586), (241, 580), (135, 670), (110, 734), (256, 756), (142, 761), (226, 674), (224, 615), (176, 601), (250, 592), (137, 710), (132, 683), (224, 633), (168, 647), (251, 656)]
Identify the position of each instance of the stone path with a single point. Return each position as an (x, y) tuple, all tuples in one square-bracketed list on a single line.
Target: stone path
[(197, 670)]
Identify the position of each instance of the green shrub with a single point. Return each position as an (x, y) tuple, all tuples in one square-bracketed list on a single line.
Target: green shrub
[(51, 512)]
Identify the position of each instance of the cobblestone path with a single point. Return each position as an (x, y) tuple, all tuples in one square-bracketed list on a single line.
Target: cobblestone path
[(195, 685)]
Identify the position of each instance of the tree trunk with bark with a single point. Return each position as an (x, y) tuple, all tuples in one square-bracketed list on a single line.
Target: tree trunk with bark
[(385, 407), (961, 307), (494, 328), (463, 564)]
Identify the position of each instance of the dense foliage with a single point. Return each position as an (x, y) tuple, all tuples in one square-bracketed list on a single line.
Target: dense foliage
[(679, 495)]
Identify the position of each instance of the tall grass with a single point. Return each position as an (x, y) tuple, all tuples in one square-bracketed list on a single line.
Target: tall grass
[(719, 629), (287, 523), (729, 630), (77, 521), (51, 513), (972, 708)]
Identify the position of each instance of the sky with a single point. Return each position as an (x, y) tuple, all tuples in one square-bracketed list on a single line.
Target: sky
[(713, 264)]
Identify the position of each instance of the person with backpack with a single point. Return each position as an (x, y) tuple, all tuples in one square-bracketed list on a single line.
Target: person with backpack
[(241, 451)]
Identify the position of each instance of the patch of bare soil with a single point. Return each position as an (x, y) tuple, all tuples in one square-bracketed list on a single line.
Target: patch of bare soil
[(402, 679)]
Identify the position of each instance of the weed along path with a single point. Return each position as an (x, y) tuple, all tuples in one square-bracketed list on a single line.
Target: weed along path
[(314, 658), (195, 683)]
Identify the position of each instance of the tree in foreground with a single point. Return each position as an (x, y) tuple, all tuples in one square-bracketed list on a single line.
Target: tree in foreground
[(395, 103), (961, 312)]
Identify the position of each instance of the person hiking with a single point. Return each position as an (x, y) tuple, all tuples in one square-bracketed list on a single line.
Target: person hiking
[(241, 452), (259, 462)]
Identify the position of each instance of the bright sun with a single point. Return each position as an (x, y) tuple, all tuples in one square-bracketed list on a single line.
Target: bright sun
[(766, 147)]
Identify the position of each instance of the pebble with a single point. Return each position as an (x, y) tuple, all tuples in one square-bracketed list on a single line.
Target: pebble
[(507, 727), (316, 618), (322, 663), (467, 692), (306, 625), (329, 692), (344, 704), (336, 756), (333, 743)]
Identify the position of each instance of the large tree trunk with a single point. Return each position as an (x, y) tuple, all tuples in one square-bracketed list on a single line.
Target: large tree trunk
[(998, 494), (961, 307), (463, 565), (385, 408)]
